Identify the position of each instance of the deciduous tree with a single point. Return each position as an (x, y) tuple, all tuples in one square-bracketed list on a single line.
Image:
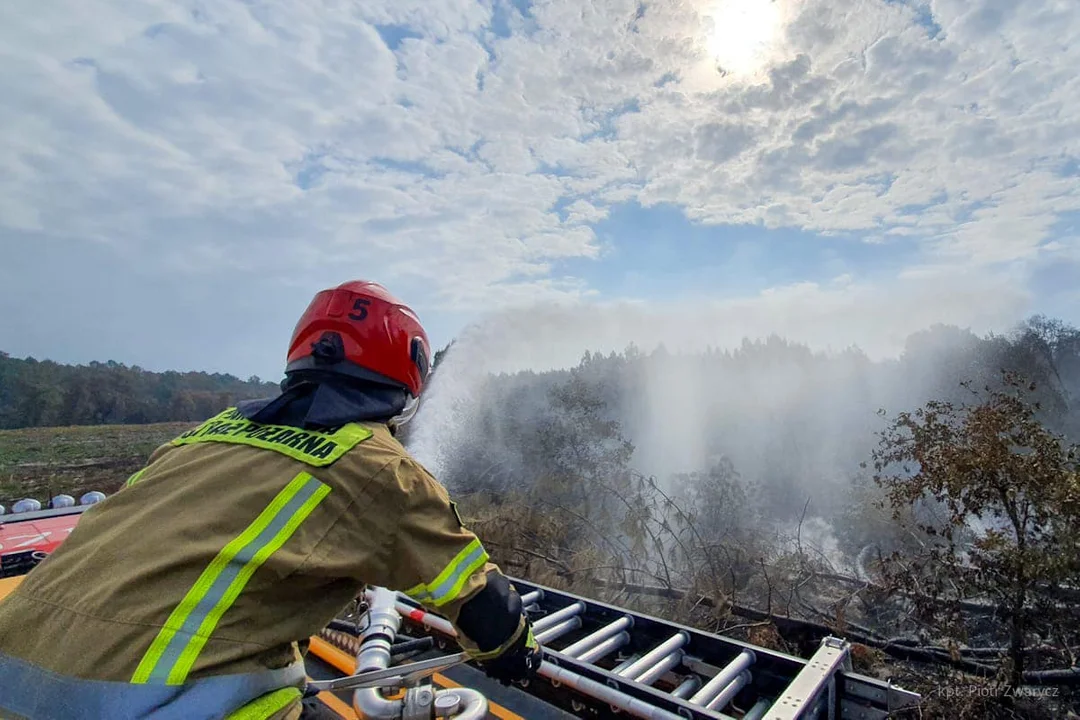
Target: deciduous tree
[(996, 499)]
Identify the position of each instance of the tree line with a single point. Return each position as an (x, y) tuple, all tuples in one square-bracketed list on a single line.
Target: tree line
[(44, 393)]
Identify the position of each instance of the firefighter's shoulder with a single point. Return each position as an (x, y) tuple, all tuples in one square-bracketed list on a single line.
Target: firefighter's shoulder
[(382, 459)]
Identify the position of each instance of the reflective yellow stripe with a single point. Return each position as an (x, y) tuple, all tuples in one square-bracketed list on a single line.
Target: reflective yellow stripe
[(308, 446), (135, 477), (265, 706), (447, 586), (177, 645)]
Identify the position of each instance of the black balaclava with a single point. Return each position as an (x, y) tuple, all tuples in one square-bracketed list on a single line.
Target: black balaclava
[(321, 398)]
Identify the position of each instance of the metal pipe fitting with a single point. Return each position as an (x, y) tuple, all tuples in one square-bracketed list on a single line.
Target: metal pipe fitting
[(375, 642), (377, 639), (378, 636), (460, 704), (369, 703)]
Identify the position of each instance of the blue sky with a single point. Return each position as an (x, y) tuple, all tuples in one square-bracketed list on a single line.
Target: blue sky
[(657, 253), (179, 176)]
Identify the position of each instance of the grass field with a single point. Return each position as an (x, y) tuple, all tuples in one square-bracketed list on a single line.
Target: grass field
[(42, 462)]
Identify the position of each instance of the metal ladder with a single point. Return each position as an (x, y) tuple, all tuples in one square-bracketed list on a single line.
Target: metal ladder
[(601, 660)]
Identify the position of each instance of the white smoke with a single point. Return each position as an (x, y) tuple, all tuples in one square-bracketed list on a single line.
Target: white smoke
[(679, 413)]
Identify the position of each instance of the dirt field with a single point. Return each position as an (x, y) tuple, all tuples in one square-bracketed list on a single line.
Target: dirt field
[(42, 462)]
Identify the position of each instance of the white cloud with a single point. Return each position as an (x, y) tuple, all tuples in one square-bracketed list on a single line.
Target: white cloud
[(868, 114), (284, 137)]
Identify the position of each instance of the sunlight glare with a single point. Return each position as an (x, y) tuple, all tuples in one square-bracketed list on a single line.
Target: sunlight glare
[(743, 34)]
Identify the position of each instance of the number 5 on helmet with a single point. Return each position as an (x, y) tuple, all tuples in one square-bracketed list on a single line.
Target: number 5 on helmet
[(373, 336)]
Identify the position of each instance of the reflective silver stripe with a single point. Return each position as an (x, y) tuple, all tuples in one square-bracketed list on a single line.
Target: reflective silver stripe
[(450, 587), (35, 693)]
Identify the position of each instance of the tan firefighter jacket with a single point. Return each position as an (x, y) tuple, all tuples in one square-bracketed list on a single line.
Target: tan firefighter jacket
[(184, 594)]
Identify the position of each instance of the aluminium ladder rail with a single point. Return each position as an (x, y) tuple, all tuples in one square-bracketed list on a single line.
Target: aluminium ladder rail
[(617, 661)]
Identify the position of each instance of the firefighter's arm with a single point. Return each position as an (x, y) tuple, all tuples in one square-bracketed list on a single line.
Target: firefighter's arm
[(442, 565)]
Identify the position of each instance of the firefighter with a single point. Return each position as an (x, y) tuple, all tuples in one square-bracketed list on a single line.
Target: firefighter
[(191, 592)]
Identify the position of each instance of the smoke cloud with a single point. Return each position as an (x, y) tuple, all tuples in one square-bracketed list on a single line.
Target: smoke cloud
[(810, 417)]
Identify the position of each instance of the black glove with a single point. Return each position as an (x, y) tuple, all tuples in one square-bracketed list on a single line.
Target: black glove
[(314, 709), (518, 662)]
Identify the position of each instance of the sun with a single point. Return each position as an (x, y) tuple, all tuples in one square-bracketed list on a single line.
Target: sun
[(743, 34)]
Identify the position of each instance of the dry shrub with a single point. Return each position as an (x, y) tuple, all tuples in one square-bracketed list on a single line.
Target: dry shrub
[(867, 660), (766, 636)]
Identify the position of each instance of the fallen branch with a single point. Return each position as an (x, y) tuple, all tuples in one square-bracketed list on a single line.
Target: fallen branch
[(745, 626), (563, 567), (1070, 677)]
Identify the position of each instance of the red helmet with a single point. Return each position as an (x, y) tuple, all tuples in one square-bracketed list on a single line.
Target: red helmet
[(360, 330)]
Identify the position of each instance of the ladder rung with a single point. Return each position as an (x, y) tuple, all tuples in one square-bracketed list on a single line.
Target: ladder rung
[(654, 656), (723, 678), (625, 664), (529, 598), (590, 641), (688, 687), (558, 631), (605, 648), (657, 671), (557, 617), (724, 697), (758, 711)]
